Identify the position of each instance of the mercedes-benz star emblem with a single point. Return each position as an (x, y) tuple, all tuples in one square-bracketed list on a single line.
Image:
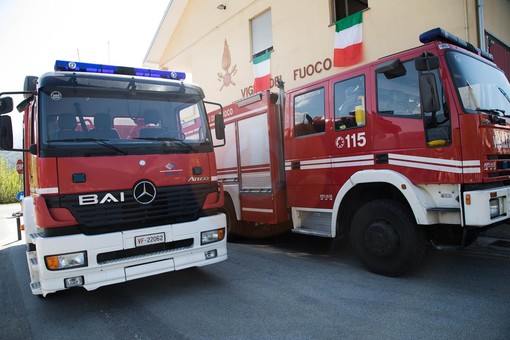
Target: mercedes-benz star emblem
[(144, 192)]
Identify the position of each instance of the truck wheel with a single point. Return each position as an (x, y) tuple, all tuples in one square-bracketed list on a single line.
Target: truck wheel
[(229, 211), (386, 239)]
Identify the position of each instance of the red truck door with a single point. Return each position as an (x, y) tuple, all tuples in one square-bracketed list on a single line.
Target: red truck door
[(308, 127), (351, 141), (418, 144)]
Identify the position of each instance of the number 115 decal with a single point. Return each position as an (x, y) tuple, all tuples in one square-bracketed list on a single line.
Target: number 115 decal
[(355, 140)]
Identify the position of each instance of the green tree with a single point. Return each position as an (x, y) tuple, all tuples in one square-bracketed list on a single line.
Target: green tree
[(9, 183)]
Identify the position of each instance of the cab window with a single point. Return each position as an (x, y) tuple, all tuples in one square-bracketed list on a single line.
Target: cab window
[(309, 113), (399, 96), (350, 103)]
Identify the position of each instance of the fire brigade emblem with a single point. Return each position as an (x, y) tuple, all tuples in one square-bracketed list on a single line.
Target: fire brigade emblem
[(226, 62), (339, 142)]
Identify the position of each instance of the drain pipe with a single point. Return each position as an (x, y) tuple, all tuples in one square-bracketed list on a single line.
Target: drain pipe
[(481, 26)]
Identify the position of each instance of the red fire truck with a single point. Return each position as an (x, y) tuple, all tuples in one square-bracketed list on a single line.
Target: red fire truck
[(114, 190), (411, 148)]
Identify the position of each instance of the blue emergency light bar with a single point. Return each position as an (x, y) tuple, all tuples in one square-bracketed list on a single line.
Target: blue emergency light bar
[(62, 65), (441, 34)]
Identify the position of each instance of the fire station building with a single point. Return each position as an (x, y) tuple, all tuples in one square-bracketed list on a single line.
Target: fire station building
[(217, 42)]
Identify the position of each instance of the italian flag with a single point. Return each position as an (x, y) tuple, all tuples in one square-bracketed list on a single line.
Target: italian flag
[(348, 47), (262, 71)]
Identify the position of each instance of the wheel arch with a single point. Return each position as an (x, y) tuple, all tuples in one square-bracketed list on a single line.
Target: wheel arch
[(369, 185), (232, 193)]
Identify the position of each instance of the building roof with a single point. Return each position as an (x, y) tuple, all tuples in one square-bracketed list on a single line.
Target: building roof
[(164, 32)]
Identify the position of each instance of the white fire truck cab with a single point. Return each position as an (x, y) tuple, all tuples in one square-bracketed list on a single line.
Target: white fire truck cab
[(114, 189), (411, 148)]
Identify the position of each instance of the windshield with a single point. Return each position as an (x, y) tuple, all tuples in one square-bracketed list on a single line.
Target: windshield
[(89, 120), (481, 87)]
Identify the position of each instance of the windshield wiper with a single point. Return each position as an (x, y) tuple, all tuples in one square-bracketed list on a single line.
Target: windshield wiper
[(494, 115), (102, 142), (504, 94), (497, 112), (175, 141)]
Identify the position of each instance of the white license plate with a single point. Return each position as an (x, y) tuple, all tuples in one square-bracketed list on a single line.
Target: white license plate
[(146, 240)]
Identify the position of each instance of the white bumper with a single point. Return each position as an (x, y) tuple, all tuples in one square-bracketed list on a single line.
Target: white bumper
[(122, 269), (485, 207)]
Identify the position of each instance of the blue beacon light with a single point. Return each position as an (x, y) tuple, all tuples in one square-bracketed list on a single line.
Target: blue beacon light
[(443, 35), (62, 65)]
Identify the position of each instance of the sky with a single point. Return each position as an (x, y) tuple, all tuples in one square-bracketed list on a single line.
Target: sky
[(35, 33)]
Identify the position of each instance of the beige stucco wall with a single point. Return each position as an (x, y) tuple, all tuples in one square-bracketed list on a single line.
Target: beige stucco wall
[(497, 18), (303, 36)]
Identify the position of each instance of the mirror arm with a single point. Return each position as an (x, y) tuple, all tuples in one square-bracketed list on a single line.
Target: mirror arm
[(16, 92)]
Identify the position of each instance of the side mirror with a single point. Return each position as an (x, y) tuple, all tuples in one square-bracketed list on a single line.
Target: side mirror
[(24, 104), (6, 105), (30, 85), (219, 123), (428, 93), (219, 126), (6, 133), (392, 69)]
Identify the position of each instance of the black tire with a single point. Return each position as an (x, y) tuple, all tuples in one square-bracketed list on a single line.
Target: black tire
[(386, 238)]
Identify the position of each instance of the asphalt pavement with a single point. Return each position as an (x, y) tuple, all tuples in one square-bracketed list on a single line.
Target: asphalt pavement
[(291, 287)]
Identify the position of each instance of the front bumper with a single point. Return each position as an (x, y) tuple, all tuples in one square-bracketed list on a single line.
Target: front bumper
[(131, 263), (486, 207)]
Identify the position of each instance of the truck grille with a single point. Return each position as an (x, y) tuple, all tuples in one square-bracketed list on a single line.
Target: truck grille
[(171, 205), (502, 168), (126, 254)]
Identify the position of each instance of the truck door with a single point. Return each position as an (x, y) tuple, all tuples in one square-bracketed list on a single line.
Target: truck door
[(307, 160), (398, 123), (350, 142), (409, 139)]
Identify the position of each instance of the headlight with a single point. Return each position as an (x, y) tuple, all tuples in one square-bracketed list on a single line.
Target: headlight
[(494, 207), (212, 236), (66, 261)]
